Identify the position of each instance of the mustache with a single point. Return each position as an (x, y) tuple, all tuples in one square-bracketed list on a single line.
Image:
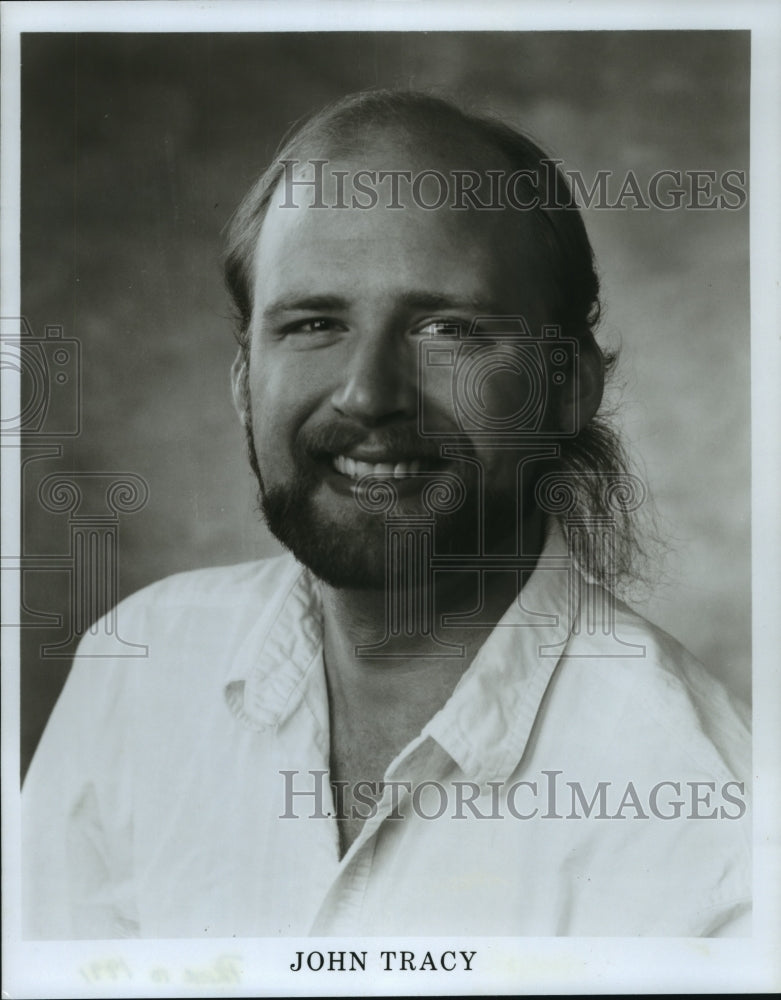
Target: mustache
[(337, 437)]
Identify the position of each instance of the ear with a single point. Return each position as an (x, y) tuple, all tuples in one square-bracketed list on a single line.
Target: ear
[(240, 386), (576, 409)]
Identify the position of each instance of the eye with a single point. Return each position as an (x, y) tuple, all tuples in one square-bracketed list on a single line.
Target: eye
[(445, 328), (312, 325)]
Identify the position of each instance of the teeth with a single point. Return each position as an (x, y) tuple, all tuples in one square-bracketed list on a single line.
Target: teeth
[(355, 469)]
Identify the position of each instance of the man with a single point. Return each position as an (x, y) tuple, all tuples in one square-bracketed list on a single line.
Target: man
[(433, 717)]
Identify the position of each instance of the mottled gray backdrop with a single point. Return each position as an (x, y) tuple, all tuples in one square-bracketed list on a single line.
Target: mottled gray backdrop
[(135, 151)]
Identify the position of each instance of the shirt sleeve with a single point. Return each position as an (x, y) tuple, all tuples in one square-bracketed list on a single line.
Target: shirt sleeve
[(76, 828)]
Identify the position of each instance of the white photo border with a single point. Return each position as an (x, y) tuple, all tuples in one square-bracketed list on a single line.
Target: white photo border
[(507, 965)]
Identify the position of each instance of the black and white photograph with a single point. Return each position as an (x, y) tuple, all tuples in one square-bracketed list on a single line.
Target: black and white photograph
[(390, 511)]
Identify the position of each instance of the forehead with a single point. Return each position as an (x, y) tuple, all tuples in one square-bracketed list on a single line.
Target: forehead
[(400, 243)]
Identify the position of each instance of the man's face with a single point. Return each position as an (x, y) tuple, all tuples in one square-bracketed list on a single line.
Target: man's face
[(343, 298)]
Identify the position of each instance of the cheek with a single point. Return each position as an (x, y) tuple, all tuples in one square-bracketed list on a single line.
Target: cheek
[(500, 395), (496, 393), (507, 396), (285, 390), (271, 397)]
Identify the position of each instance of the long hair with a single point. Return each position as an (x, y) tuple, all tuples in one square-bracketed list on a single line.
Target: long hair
[(592, 466)]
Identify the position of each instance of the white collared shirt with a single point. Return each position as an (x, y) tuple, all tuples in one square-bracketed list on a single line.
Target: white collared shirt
[(584, 778)]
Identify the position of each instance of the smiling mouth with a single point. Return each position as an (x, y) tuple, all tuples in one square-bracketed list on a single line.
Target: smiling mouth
[(355, 469)]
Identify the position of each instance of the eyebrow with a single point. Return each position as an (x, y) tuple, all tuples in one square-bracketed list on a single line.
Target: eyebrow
[(424, 301)]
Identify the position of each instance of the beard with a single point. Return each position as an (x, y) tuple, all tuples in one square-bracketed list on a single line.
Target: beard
[(355, 553)]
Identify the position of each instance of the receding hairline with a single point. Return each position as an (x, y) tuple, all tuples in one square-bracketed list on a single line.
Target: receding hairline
[(437, 132), (354, 125)]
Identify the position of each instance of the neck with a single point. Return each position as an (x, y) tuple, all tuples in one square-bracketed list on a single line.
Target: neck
[(374, 709)]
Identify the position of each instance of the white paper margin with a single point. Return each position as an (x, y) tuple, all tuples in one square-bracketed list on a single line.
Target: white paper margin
[(503, 965)]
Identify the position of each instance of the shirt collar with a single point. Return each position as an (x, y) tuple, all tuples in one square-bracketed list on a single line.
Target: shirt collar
[(485, 724), (268, 676)]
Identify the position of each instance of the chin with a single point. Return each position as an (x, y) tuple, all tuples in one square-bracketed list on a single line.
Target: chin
[(345, 563), (346, 557), (348, 576), (350, 553)]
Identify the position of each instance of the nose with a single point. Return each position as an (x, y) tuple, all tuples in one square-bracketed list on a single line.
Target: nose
[(379, 383)]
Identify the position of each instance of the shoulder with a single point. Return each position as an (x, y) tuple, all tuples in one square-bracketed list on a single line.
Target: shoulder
[(660, 697), (217, 586), (199, 617), (230, 591)]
